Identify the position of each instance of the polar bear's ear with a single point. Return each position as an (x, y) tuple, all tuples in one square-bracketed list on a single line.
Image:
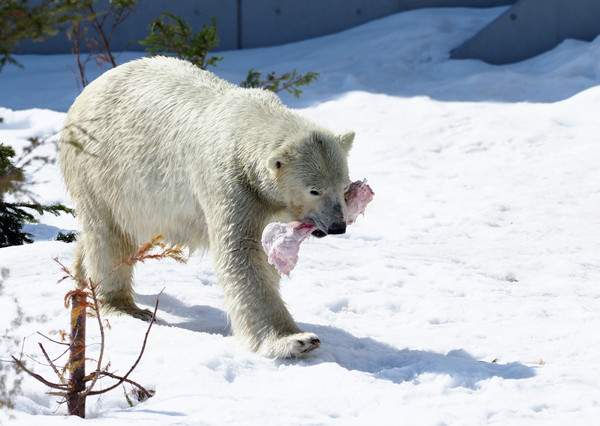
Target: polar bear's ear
[(277, 159), (346, 139), (274, 163)]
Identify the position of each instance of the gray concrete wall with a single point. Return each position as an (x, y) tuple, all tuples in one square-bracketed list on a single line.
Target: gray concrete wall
[(531, 27), (271, 22), (254, 23)]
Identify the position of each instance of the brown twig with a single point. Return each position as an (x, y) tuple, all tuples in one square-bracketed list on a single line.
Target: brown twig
[(38, 377), (75, 34), (144, 391), (60, 376), (124, 378), (69, 345), (119, 16), (54, 341), (99, 362)]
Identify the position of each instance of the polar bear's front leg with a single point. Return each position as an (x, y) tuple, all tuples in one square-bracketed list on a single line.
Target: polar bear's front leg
[(253, 302)]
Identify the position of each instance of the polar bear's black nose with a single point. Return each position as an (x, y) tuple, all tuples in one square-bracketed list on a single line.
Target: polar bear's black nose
[(337, 228)]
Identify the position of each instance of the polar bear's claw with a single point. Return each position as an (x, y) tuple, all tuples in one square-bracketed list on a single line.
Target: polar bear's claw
[(303, 343), (134, 311), (290, 346), (313, 343), (143, 314)]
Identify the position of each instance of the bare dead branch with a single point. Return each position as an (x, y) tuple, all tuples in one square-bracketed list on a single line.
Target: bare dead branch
[(145, 392), (38, 377), (54, 341), (122, 379), (60, 376)]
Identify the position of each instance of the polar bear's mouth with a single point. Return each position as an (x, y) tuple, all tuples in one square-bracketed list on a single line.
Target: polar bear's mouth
[(318, 233), (320, 230)]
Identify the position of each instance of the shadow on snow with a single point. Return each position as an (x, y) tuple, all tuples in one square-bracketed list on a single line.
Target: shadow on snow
[(201, 319), (387, 362), (353, 353)]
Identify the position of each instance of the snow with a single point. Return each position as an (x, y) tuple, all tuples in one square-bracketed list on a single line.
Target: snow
[(468, 294)]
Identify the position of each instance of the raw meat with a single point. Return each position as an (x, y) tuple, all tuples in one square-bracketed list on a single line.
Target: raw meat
[(358, 196), (281, 241)]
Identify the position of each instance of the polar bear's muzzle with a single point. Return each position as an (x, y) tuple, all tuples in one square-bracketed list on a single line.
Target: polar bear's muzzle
[(331, 220), (336, 228)]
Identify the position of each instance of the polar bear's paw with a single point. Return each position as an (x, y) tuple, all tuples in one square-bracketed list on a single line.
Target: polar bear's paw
[(132, 310), (292, 345), (143, 314), (122, 304)]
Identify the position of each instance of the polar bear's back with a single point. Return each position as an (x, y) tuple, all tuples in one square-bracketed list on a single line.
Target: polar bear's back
[(162, 94), (131, 146), (163, 72), (154, 85)]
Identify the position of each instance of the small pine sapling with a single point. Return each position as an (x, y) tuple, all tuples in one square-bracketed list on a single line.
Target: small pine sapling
[(13, 181), (289, 82), (84, 302), (67, 237), (172, 35)]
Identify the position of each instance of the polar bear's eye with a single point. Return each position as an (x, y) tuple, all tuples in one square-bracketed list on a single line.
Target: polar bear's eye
[(314, 191)]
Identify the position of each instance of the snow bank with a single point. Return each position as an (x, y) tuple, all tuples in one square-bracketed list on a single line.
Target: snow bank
[(470, 295)]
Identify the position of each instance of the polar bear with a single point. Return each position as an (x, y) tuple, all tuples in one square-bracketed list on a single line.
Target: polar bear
[(158, 145)]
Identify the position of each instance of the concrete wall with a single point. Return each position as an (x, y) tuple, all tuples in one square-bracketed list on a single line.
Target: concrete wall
[(531, 27), (269, 22), (254, 23)]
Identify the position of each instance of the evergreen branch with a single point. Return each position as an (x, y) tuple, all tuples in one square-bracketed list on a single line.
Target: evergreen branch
[(288, 82)]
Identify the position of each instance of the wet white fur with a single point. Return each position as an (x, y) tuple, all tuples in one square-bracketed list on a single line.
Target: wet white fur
[(161, 146)]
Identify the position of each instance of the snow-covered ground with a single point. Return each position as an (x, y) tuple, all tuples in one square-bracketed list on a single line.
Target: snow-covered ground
[(469, 293)]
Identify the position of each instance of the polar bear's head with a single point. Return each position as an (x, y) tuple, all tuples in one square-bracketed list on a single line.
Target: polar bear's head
[(311, 173)]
